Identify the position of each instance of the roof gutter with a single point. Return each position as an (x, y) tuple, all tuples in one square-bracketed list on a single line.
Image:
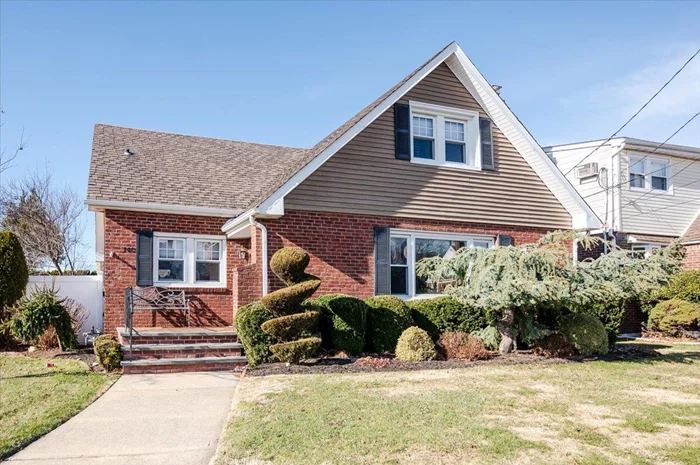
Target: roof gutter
[(101, 205)]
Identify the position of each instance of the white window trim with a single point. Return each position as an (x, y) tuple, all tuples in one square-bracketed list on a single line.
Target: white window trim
[(647, 170), (411, 236), (190, 261), (646, 248), (472, 135)]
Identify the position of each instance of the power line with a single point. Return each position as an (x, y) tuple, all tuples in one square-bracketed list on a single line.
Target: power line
[(661, 208), (668, 179), (648, 155), (638, 112)]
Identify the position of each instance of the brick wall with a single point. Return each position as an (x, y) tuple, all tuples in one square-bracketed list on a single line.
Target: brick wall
[(692, 257), (210, 307), (342, 245)]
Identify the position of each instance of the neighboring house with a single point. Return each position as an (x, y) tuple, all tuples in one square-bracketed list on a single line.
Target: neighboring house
[(437, 163), (652, 195)]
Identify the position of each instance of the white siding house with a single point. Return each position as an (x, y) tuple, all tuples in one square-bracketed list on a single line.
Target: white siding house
[(651, 191)]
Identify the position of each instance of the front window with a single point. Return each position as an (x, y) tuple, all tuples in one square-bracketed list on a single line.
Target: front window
[(445, 136), (649, 173), (182, 260), (409, 247)]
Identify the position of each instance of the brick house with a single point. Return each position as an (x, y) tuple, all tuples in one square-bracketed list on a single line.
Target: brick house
[(436, 163)]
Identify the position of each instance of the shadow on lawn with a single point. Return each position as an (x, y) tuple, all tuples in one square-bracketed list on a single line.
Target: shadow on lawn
[(49, 374), (648, 354)]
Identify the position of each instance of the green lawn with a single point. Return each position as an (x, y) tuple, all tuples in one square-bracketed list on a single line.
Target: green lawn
[(632, 412), (35, 399)]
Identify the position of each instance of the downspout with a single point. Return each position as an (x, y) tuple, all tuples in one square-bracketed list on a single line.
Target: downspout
[(262, 229), (574, 250)]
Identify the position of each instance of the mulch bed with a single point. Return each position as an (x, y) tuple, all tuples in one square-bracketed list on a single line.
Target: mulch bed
[(375, 363), (84, 354)]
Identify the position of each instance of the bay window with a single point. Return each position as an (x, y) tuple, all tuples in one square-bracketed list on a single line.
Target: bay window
[(189, 260), (409, 247)]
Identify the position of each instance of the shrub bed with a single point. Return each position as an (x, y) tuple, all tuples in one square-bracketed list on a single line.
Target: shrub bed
[(387, 317), (343, 322), (585, 332), (443, 314), (675, 316), (415, 345)]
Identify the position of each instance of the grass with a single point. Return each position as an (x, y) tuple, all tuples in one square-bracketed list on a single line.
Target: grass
[(628, 412), (35, 399)]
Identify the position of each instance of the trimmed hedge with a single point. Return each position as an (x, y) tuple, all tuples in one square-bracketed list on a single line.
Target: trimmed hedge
[(286, 328), (108, 352), (443, 314), (294, 351), (286, 301), (585, 332), (289, 264), (675, 316), (256, 343), (415, 345), (387, 317), (344, 322)]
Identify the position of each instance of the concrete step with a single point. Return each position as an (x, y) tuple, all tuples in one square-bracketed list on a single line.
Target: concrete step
[(148, 336), (157, 351), (178, 365)]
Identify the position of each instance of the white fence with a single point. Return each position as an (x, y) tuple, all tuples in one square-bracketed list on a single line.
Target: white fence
[(86, 290)]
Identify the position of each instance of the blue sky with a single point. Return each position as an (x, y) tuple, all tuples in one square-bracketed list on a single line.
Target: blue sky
[(289, 73)]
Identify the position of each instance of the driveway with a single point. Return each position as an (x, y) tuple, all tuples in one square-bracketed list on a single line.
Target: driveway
[(169, 419)]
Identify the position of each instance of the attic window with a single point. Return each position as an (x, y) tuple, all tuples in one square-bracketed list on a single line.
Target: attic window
[(444, 136)]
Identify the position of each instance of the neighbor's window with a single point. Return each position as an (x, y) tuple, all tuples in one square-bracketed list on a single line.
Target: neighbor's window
[(636, 172), (644, 250), (658, 172), (188, 261), (408, 247), (445, 136), (649, 173)]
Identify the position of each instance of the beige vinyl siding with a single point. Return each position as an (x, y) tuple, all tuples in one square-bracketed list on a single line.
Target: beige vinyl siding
[(365, 178)]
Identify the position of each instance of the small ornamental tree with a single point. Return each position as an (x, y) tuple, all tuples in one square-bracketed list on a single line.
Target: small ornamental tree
[(14, 276), (292, 328), (514, 284)]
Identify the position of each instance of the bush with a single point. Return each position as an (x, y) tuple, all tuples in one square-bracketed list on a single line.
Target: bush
[(387, 317), (461, 346), (443, 314), (286, 301), (585, 332), (288, 327), (344, 322), (78, 315), (611, 317), (289, 264), (416, 345), (108, 352), (294, 351), (14, 276), (34, 315), (684, 285), (256, 343), (489, 336), (556, 345), (675, 316)]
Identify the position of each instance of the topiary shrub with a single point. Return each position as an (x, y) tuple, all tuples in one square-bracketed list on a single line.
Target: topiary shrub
[(490, 336), (294, 351), (461, 346), (256, 342), (14, 276), (108, 352), (585, 332), (33, 316), (675, 316), (556, 345), (415, 345), (442, 314), (684, 286), (387, 317), (291, 322), (343, 323)]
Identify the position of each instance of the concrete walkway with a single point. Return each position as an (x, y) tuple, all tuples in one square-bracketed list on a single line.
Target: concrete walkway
[(169, 419)]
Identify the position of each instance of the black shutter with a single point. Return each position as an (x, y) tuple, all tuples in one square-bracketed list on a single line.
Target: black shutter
[(144, 258), (485, 128), (402, 129), (505, 240), (382, 261)]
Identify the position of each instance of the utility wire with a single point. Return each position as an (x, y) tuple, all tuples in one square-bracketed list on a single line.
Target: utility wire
[(648, 155), (664, 208), (638, 112)]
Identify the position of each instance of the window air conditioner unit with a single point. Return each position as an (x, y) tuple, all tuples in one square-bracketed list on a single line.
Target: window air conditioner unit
[(586, 170)]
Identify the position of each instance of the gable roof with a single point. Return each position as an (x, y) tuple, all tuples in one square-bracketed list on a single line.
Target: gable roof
[(166, 169), (692, 233)]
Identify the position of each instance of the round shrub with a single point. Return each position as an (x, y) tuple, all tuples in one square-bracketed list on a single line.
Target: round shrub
[(585, 332), (294, 351), (675, 316), (288, 327), (415, 345), (556, 345), (108, 352), (387, 317), (461, 346), (684, 285), (256, 343), (344, 322), (289, 264), (445, 313)]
